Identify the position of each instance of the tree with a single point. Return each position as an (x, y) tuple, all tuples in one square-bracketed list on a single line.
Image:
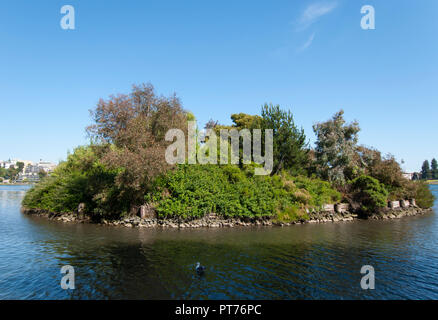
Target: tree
[(289, 149), (131, 129), (425, 170), (434, 166), (211, 124), (42, 174), (335, 148), (20, 166), (240, 121), (3, 172), (386, 169)]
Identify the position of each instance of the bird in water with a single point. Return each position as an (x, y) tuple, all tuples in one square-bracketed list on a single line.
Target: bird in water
[(199, 269)]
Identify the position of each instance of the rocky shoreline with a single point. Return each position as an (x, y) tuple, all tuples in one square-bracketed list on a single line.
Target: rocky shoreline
[(330, 213)]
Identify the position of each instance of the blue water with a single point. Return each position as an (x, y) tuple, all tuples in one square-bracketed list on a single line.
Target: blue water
[(299, 262)]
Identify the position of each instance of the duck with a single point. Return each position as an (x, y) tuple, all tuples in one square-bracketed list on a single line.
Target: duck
[(199, 269)]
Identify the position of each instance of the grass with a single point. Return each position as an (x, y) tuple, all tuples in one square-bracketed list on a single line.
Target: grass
[(432, 181)]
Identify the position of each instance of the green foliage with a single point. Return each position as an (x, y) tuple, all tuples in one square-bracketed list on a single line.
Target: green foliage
[(80, 179), (292, 213), (12, 172), (196, 190), (191, 191), (4, 173), (424, 197), (335, 148), (289, 147), (320, 192), (434, 168), (370, 193), (426, 173)]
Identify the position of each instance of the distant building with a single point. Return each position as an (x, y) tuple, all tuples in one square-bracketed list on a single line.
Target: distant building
[(409, 176), (46, 166), (31, 171), (13, 163), (7, 164)]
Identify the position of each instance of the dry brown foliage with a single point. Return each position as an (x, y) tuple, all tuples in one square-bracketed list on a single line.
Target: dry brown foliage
[(133, 127)]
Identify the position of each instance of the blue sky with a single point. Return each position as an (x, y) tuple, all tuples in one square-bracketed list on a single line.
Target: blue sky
[(221, 57)]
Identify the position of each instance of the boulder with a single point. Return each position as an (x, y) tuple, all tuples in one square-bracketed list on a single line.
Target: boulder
[(147, 211), (342, 207), (405, 203), (81, 210), (328, 208), (413, 202), (394, 204)]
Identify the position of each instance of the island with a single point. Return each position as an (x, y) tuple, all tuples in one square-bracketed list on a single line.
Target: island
[(149, 165)]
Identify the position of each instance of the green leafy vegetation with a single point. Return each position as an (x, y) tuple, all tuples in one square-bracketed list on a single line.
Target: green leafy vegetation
[(193, 191), (423, 196), (369, 193), (12, 172)]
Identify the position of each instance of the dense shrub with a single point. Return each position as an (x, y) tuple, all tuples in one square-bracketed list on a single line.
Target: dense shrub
[(370, 193), (80, 179), (191, 191), (292, 213), (195, 190), (424, 196), (320, 192)]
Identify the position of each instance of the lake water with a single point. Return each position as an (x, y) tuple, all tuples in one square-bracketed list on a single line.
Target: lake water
[(320, 261)]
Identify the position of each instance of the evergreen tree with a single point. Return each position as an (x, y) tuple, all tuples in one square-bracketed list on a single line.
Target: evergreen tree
[(290, 147), (425, 170), (434, 166)]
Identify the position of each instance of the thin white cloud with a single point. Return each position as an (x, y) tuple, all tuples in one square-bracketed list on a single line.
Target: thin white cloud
[(313, 12), (307, 43)]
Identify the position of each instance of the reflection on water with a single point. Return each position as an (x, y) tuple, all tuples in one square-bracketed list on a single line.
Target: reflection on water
[(299, 262)]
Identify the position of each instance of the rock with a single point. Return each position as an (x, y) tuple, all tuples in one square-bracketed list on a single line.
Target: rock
[(212, 215), (405, 203), (342, 207), (394, 204), (328, 208), (147, 211), (81, 210)]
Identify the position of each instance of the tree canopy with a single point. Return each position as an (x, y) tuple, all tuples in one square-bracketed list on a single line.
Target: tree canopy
[(335, 147)]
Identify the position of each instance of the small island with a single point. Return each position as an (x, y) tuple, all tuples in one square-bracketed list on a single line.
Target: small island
[(124, 176)]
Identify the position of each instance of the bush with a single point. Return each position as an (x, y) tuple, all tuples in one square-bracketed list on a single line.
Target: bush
[(191, 191), (424, 197), (292, 213), (80, 179), (320, 192), (369, 193)]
